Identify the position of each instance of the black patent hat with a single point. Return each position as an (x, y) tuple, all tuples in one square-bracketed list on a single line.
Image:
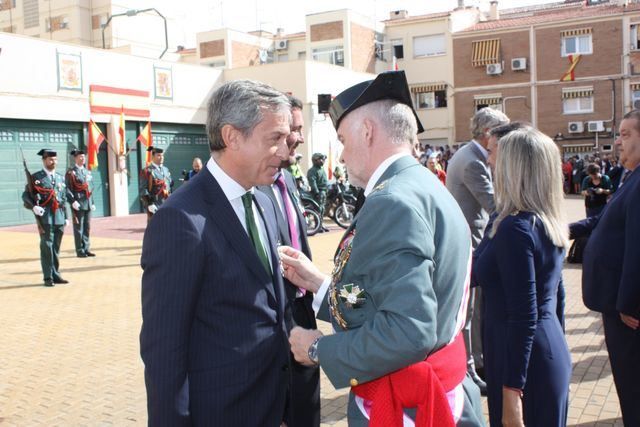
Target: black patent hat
[(47, 152), (155, 150), (76, 152), (388, 85)]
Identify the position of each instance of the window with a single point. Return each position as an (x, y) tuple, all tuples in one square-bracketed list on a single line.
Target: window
[(485, 52), (332, 55), (217, 64), (577, 105), (302, 55), (31, 13), (491, 100), (577, 41), (635, 41), (398, 48), (428, 96), (429, 45), (635, 96)]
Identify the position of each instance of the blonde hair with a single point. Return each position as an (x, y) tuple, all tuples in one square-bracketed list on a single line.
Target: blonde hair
[(528, 177)]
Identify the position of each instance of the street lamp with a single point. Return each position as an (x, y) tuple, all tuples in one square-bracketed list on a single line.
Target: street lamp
[(134, 12)]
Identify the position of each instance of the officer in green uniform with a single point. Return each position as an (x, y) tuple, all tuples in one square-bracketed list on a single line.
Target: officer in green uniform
[(155, 182), (79, 181), (318, 182), (46, 197)]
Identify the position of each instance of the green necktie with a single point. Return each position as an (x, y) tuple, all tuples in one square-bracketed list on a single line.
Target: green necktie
[(252, 229)]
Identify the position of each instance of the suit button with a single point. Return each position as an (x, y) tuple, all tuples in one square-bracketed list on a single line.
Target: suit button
[(285, 368), (353, 382)]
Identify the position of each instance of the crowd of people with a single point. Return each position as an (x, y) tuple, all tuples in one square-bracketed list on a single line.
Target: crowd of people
[(447, 284)]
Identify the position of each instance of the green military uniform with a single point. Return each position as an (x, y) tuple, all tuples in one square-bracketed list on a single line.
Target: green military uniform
[(404, 260), (79, 181), (155, 186), (49, 193), (318, 182)]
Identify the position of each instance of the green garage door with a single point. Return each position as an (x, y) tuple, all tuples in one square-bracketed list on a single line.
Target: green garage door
[(181, 143), (33, 136)]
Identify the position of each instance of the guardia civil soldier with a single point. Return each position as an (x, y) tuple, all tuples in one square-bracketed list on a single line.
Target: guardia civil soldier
[(79, 184), (318, 182), (45, 195), (155, 182)]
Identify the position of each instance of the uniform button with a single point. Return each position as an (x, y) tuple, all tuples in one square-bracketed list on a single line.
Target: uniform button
[(353, 382), (285, 368)]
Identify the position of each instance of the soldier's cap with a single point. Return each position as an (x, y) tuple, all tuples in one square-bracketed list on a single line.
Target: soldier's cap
[(47, 152), (298, 156), (388, 85), (76, 152), (318, 156), (155, 150)]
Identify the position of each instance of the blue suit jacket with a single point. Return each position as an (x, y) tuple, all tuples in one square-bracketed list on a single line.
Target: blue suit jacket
[(611, 262), (213, 339)]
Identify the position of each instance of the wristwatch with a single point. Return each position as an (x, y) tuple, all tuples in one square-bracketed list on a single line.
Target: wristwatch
[(313, 351)]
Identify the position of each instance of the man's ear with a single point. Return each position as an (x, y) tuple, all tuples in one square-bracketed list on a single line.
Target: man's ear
[(368, 130), (231, 137)]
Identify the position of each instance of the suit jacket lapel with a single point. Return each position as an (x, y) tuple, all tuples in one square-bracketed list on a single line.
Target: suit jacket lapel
[(225, 217), (283, 226)]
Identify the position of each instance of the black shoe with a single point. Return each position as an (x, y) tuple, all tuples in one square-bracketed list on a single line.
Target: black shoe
[(48, 282), (60, 281), (480, 372), (325, 229), (481, 384), (81, 255), (90, 253)]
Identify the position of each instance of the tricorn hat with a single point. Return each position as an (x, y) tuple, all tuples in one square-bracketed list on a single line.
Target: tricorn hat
[(76, 152), (388, 85), (155, 150), (47, 152)]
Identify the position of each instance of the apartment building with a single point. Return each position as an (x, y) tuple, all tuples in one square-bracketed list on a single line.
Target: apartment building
[(568, 68)]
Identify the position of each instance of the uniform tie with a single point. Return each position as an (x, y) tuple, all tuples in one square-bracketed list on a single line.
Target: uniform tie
[(252, 230), (290, 212)]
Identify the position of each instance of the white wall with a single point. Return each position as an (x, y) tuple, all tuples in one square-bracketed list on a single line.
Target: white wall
[(29, 88)]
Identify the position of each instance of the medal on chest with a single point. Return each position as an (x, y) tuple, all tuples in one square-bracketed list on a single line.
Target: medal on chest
[(347, 294)]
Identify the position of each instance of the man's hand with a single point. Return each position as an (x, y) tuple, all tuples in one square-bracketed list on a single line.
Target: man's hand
[(75, 205), (66, 222), (299, 269), (300, 340), (511, 408), (152, 209), (38, 210), (93, 207), (630, 321)]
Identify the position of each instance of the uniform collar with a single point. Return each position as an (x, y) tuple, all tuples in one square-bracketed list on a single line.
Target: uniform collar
[(380, 170)]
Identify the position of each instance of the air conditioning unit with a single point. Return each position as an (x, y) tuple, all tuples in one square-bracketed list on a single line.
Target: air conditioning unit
[(519, 64), (282, 44), (494, 69), (595, 126), (575, 127)]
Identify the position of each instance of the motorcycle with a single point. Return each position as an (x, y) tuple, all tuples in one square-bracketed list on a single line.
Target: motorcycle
[(311, 213), (339, 207)]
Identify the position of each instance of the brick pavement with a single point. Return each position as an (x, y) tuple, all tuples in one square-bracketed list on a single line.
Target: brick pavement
[(70, 353)]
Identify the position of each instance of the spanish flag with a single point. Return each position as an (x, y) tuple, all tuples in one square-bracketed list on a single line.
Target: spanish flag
[(146, 138), (122, 143), (95, 139), (569, 76)]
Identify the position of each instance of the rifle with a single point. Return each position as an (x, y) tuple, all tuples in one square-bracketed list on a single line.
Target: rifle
[(31, 190)]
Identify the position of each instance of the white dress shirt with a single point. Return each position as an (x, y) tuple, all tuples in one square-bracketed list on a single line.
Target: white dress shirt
[(234, 192)]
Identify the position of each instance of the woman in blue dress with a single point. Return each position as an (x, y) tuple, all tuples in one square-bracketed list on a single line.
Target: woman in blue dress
[(519, 266)]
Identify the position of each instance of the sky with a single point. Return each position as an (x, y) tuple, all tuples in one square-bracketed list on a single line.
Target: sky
[(192, 16)]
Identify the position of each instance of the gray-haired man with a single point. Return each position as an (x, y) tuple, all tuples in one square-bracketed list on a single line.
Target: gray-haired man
[(469, 181), (214, 333)]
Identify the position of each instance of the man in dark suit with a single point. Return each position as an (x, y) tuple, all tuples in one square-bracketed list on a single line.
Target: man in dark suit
[(303, 407), (611, 272), (469, 181), (214, 332)]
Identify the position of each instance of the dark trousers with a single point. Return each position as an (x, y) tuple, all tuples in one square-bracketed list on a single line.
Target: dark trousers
[(50, 240), (81, 228), (303, 405), (472, 331), (321, 198), (623, 345)]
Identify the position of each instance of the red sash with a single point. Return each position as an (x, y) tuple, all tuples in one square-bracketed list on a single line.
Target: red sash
[(422, 385), (77, 186), (49, 195)]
